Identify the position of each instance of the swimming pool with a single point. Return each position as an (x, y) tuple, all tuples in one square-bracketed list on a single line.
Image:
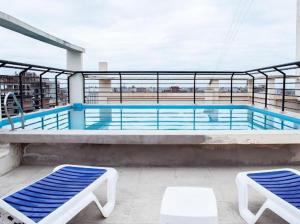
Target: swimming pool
[(156, 117)]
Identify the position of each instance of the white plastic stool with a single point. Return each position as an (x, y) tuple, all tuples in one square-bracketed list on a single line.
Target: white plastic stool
[(188, 205)]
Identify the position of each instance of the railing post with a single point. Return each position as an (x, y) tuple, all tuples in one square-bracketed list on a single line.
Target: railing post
[(157, 88), (231, 88), (83, 86), (68, 83), (195, 75), (56, 89), (41, 92), (121, 91), (21, 86), (41, 87), (21, 89), (56, 97), (1, 65), (253, 90), (266, 88), (283, 87), (283, 92), (253, 87)]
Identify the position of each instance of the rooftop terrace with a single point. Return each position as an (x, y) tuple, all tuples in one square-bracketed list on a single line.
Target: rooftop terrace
[(140, 189)]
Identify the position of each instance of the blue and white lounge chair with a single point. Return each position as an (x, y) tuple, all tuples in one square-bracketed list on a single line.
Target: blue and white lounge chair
[(58, 197), (281, 188)]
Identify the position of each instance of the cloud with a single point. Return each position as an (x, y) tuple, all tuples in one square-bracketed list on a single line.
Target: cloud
[(153, 34)]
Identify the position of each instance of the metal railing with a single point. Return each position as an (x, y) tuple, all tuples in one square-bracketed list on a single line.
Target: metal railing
[(35, 87), (160, 87), (39, 87), (275, 86)]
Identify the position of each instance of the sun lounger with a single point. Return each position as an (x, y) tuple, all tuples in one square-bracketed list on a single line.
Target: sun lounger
[(58, 197), (281, 188)]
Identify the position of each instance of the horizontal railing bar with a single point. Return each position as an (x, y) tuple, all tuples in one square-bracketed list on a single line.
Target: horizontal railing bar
[(160, 72), (297, 63), (281, 66), (32, 66), (169, 78), (38, 70), (166, 99)]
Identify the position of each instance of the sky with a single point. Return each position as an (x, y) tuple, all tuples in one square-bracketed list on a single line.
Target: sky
[(156, 34)]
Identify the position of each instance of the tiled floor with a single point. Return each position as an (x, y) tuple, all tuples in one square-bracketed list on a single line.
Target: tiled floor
[(140, 191)]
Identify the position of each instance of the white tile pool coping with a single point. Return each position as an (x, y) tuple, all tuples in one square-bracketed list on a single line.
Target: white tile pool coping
[(152, 137)]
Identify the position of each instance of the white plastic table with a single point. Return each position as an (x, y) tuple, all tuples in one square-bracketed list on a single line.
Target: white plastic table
[(188, 205)]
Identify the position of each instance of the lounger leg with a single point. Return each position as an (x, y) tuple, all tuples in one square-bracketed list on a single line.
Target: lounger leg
[(263, 208), (246, 214), (280, 211), (267, 205), (111, 196)]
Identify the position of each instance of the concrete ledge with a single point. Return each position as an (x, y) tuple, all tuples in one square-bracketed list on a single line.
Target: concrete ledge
[(161, 155), (157, 148), (152, 137)]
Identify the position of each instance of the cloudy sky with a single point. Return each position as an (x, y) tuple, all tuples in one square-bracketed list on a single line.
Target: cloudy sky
[(157, 34)]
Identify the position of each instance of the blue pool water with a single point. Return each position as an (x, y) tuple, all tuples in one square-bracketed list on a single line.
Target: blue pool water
[(156, 117)]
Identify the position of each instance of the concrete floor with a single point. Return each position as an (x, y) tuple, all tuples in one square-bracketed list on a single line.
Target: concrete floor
[(140, 191)]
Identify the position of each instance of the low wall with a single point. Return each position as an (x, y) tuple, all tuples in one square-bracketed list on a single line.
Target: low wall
[(157, 148), (10, 157), (162, 155)]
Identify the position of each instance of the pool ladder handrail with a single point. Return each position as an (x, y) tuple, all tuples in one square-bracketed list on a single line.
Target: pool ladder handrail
[(19, 107)]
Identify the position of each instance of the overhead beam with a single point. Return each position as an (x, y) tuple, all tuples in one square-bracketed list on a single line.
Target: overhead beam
[(19, 26)]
